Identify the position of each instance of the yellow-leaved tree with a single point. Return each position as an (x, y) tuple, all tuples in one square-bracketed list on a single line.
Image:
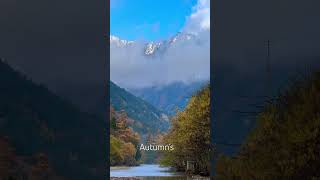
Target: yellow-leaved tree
[(190, 135)]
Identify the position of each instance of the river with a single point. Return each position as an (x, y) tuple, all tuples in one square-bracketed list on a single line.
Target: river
[(148, 171)]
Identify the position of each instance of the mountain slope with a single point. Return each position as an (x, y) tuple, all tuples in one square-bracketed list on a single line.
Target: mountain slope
[(147, 117), (170, 97), (34, 121)]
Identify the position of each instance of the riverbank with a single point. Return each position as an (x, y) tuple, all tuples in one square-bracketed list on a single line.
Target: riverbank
[(119, 167)]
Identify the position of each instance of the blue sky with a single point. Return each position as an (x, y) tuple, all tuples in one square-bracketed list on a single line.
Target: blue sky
[(149, 20)]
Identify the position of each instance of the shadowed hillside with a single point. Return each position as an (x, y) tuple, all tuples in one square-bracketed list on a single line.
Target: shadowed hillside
[(285, 143), (34, 121)]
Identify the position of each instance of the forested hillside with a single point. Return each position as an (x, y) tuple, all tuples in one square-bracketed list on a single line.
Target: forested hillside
[(35, 121), (124, 142), (190, 135), (169, 98), (147, 117), (286, 141)]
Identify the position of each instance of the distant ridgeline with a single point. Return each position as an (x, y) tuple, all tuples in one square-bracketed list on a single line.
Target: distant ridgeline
[(169, 98), (146, 118), (42, 136)]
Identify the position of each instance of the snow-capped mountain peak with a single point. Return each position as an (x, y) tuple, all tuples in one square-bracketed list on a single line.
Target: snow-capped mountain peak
[(153, 47), (119, 42), (182, 37)]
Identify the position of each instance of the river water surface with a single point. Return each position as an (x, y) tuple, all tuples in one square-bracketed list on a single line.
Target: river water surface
[(149, 170)]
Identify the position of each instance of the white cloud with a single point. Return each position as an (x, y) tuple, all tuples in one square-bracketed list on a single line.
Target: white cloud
[(184, 61), (199, 20)]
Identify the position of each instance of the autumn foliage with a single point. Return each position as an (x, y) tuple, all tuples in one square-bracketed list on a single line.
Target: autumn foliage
[(286, 141), (190, 135), (123, 140)]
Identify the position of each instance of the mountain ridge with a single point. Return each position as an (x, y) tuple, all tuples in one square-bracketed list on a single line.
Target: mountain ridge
[(147, 118), (152, 47), (169, 98)]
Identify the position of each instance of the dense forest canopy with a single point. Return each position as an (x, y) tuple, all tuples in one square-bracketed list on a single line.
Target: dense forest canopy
[(190, 135), (286, 141), (124, 142)]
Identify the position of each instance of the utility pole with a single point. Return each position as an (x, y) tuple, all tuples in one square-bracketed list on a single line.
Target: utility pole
[(268, 69)]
